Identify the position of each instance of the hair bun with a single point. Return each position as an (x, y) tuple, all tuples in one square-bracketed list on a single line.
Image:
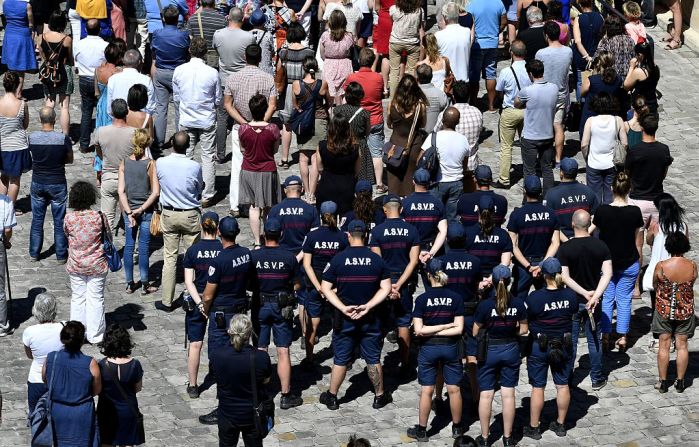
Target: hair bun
[(311, 71)]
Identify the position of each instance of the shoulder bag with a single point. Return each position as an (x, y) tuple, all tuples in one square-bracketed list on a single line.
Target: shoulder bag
[(430, 159), (40, 419), (449, 79), (110, 251), (280, 78), (396, 156), (140, 429), (155, 228), (619, 154), (263, 412)]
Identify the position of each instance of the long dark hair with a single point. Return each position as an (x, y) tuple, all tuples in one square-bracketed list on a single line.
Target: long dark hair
[(485, 219), (364, 207), (330, 220), (647, 62), (671, 216), (408, 94), (340, 138)]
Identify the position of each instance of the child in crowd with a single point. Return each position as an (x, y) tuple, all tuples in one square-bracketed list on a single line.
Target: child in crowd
[(635, 28)]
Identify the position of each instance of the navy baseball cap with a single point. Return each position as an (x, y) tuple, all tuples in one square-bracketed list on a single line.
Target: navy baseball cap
[(210, 215), (532, 185), (486, 203), (455, 231), (228, 227), (292, 180), (421, 177), (258, 18), (434, 265), (273, 226), (483, 173), (569, 167), (551, 266), (391, 198), (328, 207), (356, 226), (362, 186), (501, 272)]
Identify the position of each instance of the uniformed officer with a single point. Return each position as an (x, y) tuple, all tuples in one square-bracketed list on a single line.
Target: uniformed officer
[(570, 196), (498, 322), (398, 244), (320, 246), (535, 236), (486, 241), (273, 282), (196, 263), (467, 206), (550, 313), (225, 294), (362, 282), (364, 207), (464, 273), (438, 322)]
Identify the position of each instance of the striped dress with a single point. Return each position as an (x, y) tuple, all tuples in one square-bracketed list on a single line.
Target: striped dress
[(14, 152)]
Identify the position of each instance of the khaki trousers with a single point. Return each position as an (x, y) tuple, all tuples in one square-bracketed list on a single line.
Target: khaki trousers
[(178, 227), (511, 121)]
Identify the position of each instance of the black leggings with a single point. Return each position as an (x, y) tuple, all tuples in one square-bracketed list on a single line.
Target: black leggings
[(228, 434)]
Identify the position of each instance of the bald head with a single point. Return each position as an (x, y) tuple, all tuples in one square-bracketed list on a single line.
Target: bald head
[(180, 142), (581, 220), (132, 59), (92, 27), (47, 116), (451, 118), (235, 16), (518, 50)]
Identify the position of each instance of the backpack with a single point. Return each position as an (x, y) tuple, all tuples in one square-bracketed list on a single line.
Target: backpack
[(303, 122), (430, 160)]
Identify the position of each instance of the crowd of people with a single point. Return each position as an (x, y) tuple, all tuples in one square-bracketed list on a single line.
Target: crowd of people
[(401, 239)]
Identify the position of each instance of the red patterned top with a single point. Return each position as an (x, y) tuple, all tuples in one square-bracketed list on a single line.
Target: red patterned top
[(675, 300), (85, 252)]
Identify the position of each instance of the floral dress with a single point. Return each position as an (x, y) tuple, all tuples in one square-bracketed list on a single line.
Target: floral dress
[(85, 252), (337, 64)]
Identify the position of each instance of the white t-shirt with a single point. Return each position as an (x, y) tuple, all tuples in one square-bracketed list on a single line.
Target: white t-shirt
[(453, 147), (455, 43), (41, 339)]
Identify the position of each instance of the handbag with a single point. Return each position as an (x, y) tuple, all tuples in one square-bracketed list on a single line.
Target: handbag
[(280, 78), (110, 251), (40, 419), (155, 228), (396, 156), (619, 154), (354, 57), (141, 431), (449, 79), (263, 412)]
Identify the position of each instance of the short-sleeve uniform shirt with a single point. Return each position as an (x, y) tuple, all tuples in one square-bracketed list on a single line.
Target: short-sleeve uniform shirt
[(438, 305), (488, 247), (274, 270), (199, 257), (395, 238), (551, 312), (230, 270), (424, 211), (534, 225), (357, 273), (568, 197), (500, 326), (323, 244), (467, 207), (297, 218), (464, 273)]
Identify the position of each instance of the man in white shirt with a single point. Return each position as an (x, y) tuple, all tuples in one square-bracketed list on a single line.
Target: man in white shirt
[(453, 149), (120, 83), (455, 42), (197, 90), (88, 54)]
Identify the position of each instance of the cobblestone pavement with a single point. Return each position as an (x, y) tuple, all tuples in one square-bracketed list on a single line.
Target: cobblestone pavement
[(628, 412)]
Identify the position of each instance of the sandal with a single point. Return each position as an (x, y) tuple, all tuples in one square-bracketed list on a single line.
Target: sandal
[(131, 287), (284, 164), (148, 288), (256, 246), (621, 344), (667, 38), (381, 189), (673, 44)]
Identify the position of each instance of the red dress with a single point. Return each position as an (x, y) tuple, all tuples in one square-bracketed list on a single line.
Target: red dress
[(382, 32)]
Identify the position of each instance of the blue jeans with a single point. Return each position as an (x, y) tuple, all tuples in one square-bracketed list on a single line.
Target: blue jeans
[(88, 102), (41, 197), (143, 231), (448, 193), (619, 293), (600, 181), (594, 344)]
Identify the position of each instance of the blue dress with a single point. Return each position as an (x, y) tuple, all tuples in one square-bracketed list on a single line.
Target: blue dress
[(17, 47), (597, 86), (101, 119), (73, 410), (117, 421)]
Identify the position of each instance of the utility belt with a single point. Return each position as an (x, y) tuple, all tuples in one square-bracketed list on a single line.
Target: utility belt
[(484, 342), (440, 340), (285, 300), (470, 308), (544, 341), (221, 311), (502, 341)]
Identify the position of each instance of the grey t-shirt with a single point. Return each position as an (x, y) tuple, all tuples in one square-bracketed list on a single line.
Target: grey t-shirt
[(116, 146), (230, 44), (556, 65), (540, 99), (436, 102)]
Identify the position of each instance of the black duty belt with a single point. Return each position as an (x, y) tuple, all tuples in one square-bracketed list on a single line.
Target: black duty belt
[(501, 341), (238, 308), (437, 340)]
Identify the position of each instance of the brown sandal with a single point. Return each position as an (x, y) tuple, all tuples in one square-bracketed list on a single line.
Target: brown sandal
[(673, 44)]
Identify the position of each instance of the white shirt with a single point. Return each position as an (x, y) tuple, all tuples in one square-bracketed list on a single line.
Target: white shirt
[(120, 83), (197, 88), (89, 54), (455, 43), (452, 147), (601, 133), (41, 339)]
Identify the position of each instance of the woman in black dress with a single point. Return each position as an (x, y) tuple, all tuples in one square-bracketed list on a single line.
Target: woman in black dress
[(360, 126)]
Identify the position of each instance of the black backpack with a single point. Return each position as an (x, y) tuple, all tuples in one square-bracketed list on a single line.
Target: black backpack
[(430, 159)]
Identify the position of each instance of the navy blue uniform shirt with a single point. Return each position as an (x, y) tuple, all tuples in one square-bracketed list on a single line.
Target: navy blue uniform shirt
[(487, 248), (424, 211), (534, 224), (497, 326), (395, 237), (323, 243), (357, 273), (274, 270), (464, 272), (567, 198), (438, 305), (551, 312), (349, 216), (297, 218), (198, 257), (467, 207), (230, 270)]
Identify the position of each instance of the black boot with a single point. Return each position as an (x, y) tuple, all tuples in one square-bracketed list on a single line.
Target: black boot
[(679, 385), (663, 386)]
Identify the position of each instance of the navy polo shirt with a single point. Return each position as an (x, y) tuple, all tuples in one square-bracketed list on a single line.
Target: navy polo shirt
[(349, 216), (467, 207), (171, 47), (322, 244), (395, 237), (464, 272), (199, 257), (551, 312), (568, 197), (297, 218), (534, 224), (487, 248), (424, 211), (357, 273), (230, 270), (438, 305), (500, 326), (274, 270)]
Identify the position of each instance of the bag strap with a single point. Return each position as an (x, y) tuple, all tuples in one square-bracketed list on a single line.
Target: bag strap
[(201, 29), (124, 396), (253, 379), (53, 371), (516, 80), (104, 229), (411, 135), (447, 66), (355, 114), (160, 10)]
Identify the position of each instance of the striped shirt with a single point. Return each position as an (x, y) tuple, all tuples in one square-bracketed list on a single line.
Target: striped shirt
[(211, 21)]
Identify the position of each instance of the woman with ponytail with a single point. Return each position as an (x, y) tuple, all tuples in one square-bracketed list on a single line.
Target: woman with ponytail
[(632, 127), (550, 314), (196, 263), (320, 246), (499, 320), (363, 207), (619, 225), (438, 321), (487, 241), (138, 193), (604, 79)]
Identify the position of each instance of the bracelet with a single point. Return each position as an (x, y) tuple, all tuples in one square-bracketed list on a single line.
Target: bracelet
[(128, 213), (529, 267)]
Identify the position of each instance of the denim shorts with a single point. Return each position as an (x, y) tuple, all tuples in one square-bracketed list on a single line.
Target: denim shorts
[(273, 324), (484, 63), (503, 359), (364, 333), (538, 367), (375, 141)]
